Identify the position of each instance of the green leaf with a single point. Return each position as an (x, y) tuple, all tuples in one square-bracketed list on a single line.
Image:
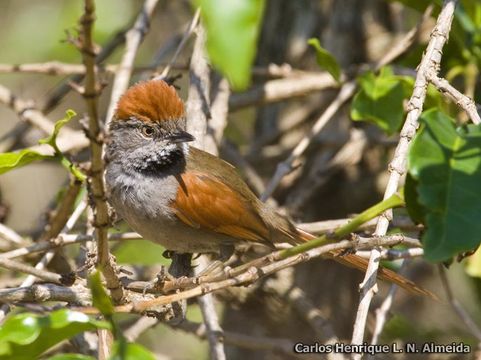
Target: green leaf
[(446, 163), (380, 100), (52, 141), (325, 59), (130, 351), (100, 299), (13, 160), (232, 31), (27, 335), (415, 210)]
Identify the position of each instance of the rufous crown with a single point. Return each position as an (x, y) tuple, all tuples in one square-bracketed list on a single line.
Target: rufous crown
[(150, 101)]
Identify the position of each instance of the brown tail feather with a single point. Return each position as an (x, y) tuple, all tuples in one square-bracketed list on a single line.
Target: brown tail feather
[(360, 263)]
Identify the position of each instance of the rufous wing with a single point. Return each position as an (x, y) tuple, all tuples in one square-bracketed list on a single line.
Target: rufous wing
[(204, 201)]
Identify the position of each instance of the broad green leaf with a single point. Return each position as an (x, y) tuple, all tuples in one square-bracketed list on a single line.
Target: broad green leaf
[(446, 163), (140, 252), (13, 160), (415, 210), (130, 351), (71, 357), (325, 59), (379, 100), (473, 266), (27, 335), (232, 31), (100, 299)]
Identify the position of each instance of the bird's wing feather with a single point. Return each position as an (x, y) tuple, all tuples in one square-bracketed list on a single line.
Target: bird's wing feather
[(227, 212)]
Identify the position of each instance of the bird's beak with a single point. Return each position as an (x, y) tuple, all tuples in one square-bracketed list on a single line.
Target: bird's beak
[(180, 137)]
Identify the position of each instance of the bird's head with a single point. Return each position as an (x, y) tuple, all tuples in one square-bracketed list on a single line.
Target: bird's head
[(149, 128)]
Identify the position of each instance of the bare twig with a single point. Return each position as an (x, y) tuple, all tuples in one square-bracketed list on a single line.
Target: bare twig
[(282, 89), (63, 240), (285, 167), (63, 211), (26, 110), (250, 272), (77, 294), (48, 256), (393, 254), (198, 115), (141, 325), (185, 37), (214, 334), (430, 60), (458, 308), (455, 95), (27, 269), (96, 183), (198, 102), (10, 235), (134, 38), (317, 227), (65, 86), (383, 310)]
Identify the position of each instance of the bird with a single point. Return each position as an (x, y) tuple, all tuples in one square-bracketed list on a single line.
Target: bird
[(186, 199)]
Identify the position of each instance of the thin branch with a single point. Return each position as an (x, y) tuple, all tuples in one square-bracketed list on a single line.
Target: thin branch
[(48, 256), (63, 240), (214, 332), (76, 294), (405, 223), (394, 254), (134, 38), (298, 84), (65, 86), (63, 211), (249, 272), (458, 308), (430, 60), (285, 167), (198, 116), (183, 42), (27, 269), (10, 235), (383, 310), (461, 100), (26, 110), (95, 180)]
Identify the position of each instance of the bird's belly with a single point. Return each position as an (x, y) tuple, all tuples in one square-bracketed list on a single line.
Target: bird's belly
[(169, 231), (174, 235)]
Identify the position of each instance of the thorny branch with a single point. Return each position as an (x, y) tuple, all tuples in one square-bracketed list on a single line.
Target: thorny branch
[(240, 275), (94, 133), (430, 62)]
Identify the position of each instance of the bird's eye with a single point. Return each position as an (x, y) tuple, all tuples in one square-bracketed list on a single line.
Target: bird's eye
[(148, 131)]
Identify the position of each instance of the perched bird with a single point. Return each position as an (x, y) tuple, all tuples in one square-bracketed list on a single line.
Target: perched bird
[(181, 197)]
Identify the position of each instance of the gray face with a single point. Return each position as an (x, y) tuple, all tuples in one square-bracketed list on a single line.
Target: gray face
[(149, 149)]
